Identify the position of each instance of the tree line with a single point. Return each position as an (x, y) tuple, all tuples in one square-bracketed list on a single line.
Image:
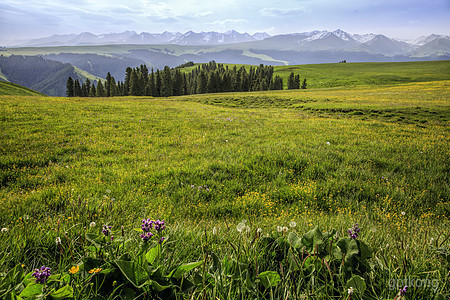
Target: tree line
[(205, 78)]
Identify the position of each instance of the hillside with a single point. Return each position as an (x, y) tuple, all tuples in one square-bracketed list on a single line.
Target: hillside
[(43, 75), (248, 184), (359, 74), (9, 88), (356, 74)]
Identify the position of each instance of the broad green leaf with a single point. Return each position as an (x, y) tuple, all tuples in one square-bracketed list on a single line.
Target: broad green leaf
[(133, 272), (178, 272), (158, 287), (269, 278), (352, 248), (216, 265), (95, 239), (294, 240), (152, 254), (357, 283), (63, 293), (32, 290), (312, 238), (365, 250)]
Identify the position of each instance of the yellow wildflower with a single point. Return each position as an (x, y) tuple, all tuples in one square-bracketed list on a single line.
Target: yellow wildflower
[(74, 269), (95, 270)]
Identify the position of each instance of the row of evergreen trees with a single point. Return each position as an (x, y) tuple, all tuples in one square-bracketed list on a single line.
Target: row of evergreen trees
[(205, 78)]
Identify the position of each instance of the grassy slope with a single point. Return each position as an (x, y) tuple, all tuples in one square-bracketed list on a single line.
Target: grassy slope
[(8, 88), (354, 74), (329, 156)]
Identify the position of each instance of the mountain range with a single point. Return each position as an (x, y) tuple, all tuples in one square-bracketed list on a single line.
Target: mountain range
[(145, 38), (307, 41), (92, 56)]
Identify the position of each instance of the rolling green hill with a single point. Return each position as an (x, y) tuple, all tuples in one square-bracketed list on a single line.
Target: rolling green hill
[(361, 74), (9, 88), (356, 74)]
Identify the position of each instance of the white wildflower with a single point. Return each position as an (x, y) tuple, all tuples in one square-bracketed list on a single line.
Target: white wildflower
[(285, 229), (279, 228), (328, 143), (4, 229), (58, 240), (259, 230), (214, 231), (403, 213), (241, 227), (350, 290), (292, 224), (92, 224)]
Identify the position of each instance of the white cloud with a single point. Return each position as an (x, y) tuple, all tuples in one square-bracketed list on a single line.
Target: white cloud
[(282, 12)]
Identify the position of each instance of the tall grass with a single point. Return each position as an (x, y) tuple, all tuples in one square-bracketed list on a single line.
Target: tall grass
[(203, 163)]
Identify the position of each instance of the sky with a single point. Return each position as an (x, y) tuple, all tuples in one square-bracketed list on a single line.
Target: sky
[(404, 19)]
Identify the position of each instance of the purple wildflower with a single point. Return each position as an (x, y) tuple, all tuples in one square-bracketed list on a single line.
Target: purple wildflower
[(161, 240), (159, 225), (106, 230), (41, 274), (353, 232), (146, 236), (403, 291), (147, 225)]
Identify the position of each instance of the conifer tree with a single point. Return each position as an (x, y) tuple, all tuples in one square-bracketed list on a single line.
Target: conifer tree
[(296, 81), (77, 88), (304, 84), (108, 85), (291, 81), (177, 83), (166, 88), (202, 83), (100, 92), (152, 84), (158, 84), (70, 87), (92, 91), (134, 84), (126, 87)]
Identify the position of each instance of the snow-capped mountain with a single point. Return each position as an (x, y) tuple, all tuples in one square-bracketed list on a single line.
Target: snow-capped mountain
[(313, 41), (131, 37)]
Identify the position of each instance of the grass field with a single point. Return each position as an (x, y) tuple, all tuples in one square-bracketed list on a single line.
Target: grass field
[(285, 161), (8, 88)]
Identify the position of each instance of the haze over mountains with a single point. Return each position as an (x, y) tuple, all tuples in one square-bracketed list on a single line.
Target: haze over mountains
[(93, 56), (308, 41)]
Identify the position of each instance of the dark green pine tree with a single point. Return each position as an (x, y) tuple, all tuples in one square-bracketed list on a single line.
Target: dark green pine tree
[(100, 92), (70, 87), (77, 88), (202, 83), (158, 84), (151, 83), (177, 83), (297, 82), (185, 85), (291, 81), (245, 80), (276, 83), (134, 84), (166, 88), (92, 92), (213, 82), (126, 85), (108, 85), (304, 84)]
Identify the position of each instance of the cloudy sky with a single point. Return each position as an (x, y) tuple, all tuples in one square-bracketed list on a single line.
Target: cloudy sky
[(395, 18)]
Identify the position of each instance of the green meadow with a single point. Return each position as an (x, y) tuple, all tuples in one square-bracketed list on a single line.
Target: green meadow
[(257, 190)]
